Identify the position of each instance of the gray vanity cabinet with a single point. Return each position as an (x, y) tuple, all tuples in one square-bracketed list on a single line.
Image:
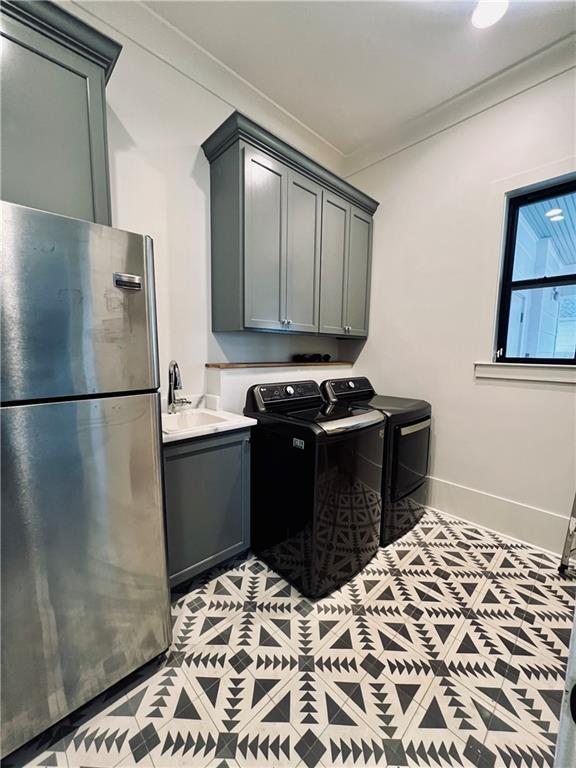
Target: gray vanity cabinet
[(207, 490), (53, 122), (290, 240)]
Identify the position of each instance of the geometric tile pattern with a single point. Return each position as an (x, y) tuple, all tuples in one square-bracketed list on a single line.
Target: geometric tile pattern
[(448, 649)]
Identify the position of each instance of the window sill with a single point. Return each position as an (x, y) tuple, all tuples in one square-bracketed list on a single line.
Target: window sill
[(556, 374)]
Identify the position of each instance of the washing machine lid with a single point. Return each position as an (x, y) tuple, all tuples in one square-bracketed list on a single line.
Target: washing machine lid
[(334, 418)]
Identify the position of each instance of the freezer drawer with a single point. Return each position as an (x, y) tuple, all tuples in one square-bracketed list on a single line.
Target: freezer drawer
[(77, 308), (84, 586)]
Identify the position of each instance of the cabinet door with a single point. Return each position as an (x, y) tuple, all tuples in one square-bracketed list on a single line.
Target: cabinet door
[(53, 127), (333, 283), (207, 482), (358, 269), (303, 255), (265, 186)]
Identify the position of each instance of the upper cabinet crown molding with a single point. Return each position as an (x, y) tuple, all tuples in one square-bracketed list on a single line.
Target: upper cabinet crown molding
[(238, 126), (67, 30)]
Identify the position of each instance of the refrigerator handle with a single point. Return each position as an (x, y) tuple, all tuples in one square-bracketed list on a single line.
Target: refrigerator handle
[(124, 280)]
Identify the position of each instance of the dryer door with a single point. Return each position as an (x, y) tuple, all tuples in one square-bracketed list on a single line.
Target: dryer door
[(411, 450)]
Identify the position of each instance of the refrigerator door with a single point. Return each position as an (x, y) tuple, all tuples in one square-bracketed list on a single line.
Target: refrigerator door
[(77, 308), (85, 596)]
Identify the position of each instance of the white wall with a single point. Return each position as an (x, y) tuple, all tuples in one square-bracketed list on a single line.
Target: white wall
[(158, 117), (503, 451), (436, 265)]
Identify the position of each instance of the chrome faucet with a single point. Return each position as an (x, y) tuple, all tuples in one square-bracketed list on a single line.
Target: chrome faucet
[(174, 383)]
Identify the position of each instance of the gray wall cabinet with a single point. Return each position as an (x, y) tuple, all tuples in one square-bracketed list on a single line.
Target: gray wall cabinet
[(282, 214), (53, 122), (335, 240), (265, 199), (303, 256), (358, 272), (291, 242), (346, 268), (207, 488)]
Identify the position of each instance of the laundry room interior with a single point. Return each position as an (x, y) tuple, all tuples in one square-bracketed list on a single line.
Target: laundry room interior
[(288, 382)]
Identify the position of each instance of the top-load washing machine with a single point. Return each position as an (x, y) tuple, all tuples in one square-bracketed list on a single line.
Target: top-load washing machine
[(406, 451), (316, 484)]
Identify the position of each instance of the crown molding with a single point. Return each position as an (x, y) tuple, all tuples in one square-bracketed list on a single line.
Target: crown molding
[(142, 26), (238, 126), (53, 21), (543, 65)]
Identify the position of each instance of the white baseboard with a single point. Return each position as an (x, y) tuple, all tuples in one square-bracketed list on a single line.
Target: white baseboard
[(543, 529)]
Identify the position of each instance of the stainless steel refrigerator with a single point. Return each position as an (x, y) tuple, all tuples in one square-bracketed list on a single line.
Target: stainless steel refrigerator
[(84, 587)]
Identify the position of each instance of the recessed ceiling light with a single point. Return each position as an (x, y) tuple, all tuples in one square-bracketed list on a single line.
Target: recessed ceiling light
[(553, 212), (557, 218), (488, 12)]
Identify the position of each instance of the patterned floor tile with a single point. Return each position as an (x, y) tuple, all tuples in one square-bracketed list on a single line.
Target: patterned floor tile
[(512, 744), (231, 645), (381, 707), (477, 639), (533, 709), (102, 741), (537, 672), (195, 746), (419, 748), (448, 705), (448, 649)]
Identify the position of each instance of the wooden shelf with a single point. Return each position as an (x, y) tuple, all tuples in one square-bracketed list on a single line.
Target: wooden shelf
[(283, 364)]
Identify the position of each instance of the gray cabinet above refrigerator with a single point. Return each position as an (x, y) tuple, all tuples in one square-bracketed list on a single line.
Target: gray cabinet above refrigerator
[(53, 123)]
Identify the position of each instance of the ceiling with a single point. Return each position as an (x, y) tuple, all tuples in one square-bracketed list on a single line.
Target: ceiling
[(353, 71), (561, 233)]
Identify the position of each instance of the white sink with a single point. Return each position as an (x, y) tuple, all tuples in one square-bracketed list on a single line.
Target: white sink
[(175, 422), (195, 422)]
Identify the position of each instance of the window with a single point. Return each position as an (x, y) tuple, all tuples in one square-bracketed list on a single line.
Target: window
[(537, 319)]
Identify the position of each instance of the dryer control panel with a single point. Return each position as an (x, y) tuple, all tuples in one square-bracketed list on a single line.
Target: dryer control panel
[(336, 389)]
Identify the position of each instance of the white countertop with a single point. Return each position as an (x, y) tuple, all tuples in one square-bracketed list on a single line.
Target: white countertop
[(197, 422)]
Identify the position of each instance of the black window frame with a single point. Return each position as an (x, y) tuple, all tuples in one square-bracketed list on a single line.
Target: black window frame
[(507, 284)]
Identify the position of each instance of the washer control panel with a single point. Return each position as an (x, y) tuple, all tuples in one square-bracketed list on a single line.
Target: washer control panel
[(270, 394)]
